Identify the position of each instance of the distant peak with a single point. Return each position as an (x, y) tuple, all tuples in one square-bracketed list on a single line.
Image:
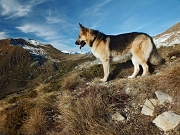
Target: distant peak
[(170, 37), (174, 28)]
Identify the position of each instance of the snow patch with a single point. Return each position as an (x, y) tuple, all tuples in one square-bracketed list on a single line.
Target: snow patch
[(32, 41), (74, 52), (168, 39)]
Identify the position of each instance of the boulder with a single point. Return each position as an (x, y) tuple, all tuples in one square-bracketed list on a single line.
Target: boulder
[(167, 121), (163, 98), (117, 117), (150, 107)]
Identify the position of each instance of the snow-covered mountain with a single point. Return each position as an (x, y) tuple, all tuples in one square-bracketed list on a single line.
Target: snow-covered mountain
[(74, 52), (34, 42), (169, 37), (35, 48)]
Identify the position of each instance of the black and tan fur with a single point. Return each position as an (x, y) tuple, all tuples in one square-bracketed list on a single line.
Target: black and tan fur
[(139, 47)]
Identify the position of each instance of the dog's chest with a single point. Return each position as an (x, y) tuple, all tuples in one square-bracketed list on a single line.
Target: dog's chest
[(95, 53)]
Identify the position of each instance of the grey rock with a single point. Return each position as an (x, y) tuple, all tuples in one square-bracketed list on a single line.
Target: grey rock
[(167, 121)]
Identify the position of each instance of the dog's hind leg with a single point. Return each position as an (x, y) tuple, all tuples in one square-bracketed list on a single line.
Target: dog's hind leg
[(106, 66), (145, 68), (139, 61), (136, 68)]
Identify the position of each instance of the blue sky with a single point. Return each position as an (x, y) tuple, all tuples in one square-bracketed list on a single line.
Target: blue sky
[(56, 21)]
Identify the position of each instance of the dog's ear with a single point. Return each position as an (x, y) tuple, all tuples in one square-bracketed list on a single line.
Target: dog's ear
[(81, 26)]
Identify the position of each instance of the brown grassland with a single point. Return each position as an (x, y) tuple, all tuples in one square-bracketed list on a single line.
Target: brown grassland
[(76, 103)]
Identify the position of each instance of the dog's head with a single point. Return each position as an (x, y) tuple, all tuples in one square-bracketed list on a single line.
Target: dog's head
[(84, 36)]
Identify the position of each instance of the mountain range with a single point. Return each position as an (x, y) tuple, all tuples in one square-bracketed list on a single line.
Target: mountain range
[(23, 60)]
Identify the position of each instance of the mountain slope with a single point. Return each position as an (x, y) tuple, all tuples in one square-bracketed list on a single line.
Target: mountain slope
[(168, 38), (23, 60), (19, 66)]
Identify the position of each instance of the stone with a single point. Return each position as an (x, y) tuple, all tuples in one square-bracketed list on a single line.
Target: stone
[(163, 98), (128, 90), (173, 57), (167, 121), (117, 117), (150, 107), (59, 116)]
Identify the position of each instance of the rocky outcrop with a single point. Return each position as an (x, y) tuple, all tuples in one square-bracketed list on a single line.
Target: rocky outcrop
[(165, 121)]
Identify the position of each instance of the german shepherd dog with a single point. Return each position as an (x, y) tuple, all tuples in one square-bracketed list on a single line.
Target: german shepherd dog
[(139, 47)]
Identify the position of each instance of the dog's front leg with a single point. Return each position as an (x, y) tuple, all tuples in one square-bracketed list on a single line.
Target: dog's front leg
[(106, 69)]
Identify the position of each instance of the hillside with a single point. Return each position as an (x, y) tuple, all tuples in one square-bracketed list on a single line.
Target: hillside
[(169, 37), (23, 60), (72, 101)]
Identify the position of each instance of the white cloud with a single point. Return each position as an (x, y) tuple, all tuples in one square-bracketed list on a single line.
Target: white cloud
[(3, 35), (39, 30), (13, 8), (53, 20), (50, 36)]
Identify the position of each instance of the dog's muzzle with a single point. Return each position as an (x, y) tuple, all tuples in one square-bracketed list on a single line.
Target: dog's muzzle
[(81, 43)]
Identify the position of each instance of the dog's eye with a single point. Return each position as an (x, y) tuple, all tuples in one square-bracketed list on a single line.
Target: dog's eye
[(79, 36)]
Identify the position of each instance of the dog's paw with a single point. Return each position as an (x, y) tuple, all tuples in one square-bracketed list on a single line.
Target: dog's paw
[(130, 77), (146, 75), (103, 80)]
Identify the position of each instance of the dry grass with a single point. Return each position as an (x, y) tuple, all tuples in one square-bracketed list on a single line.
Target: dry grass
[(90, 112), (15, 117), (35, 124), (170, 78), (87, 114), (71, 81), (169, 82), (2, 122), (30, 114), (78, 104)]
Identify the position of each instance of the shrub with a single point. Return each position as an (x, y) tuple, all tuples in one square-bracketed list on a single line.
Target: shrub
[(35, 124), (70, 82), (15, 118)]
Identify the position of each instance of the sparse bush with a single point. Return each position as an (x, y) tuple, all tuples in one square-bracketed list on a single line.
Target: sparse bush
[(15, 118), (2, 122), (32, 94), (71, 82), (119, 70), (174, 53), (86, 115), (52, 87), (170, 79), (92, 72), (35, 124), (13, 100)]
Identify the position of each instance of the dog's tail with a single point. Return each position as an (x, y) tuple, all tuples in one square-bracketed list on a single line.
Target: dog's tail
[(155, 58)]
